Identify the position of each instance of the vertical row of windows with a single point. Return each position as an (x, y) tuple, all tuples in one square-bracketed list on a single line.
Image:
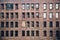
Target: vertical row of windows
[(7, 33), (28, 33), (7, 24)]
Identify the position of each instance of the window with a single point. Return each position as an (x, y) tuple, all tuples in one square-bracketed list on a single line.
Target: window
[(51, 33), (9, 6), (16, 6), (11, 33), (2, 24), (2, 15), (23, 6), (27, 6), (45, 6), (23, 24), (57, 33), (57, 14), (37, 23), (28, 24), (12, 16), (16, 15), (51, 5), (23, 33), (57, 23), (37, 14), (37, 33), (45, 33), (32, 23), (11, 24), (16, 33), (32, 14), (37, 6), (44, 23), (1, 6), (28, 15), (51, 24), (2, 33), (16, 24), (32, 6), (44, 15), (7, 33), (28, 33), (23, 15), (57, 5), (51, 15), (32, 33), (7, 15), (7, 24)]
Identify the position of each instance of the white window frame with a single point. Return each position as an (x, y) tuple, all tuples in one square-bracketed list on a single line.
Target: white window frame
[(51, 6), (57, 14), (50, 15), (44, 15), (45, 6)]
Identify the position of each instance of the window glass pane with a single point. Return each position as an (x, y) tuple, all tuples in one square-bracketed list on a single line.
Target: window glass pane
[(57, 6), (7, 33), (23, 6), (28, 33), (7, 24), (32, 6), (45, 6), (2, 24), (51, 14), (44, 23), (27, 6), (44, 15), (9, 6), (57, 14), (51, 5), (57, 23), (23, 33), (51, 24), (11, 33), (37, 6), (37, 14), (51, 33), (2, 33), (37, 33), (32, 33), (16, 33), (45, 33)]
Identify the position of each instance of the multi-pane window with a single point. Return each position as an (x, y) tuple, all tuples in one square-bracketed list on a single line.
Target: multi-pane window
[(51, 24), (37, 6), (37, 14), (2, 33), (57, 14), (50, 15), (16, 24), (57, 23), (11, 24), (23, 33), (28, 15), (11, 33), (1, 15), (16, 15), (7, 15), (27, 6), (2, 6), (37, 23), (32, 6), (45, 33), (32, 33), (51, 33), (23, 14), (44, 15), (28, 24), (23, 6), (12, 16), (28, 33), (57, 33), (2, 24), (7, 24), (45, 6), (32, 23), (7, 33), (16, 6), (37, 33), (9, 6), (57, 5), (16, 33), (32, 14), (44, 24), (51, 6)]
